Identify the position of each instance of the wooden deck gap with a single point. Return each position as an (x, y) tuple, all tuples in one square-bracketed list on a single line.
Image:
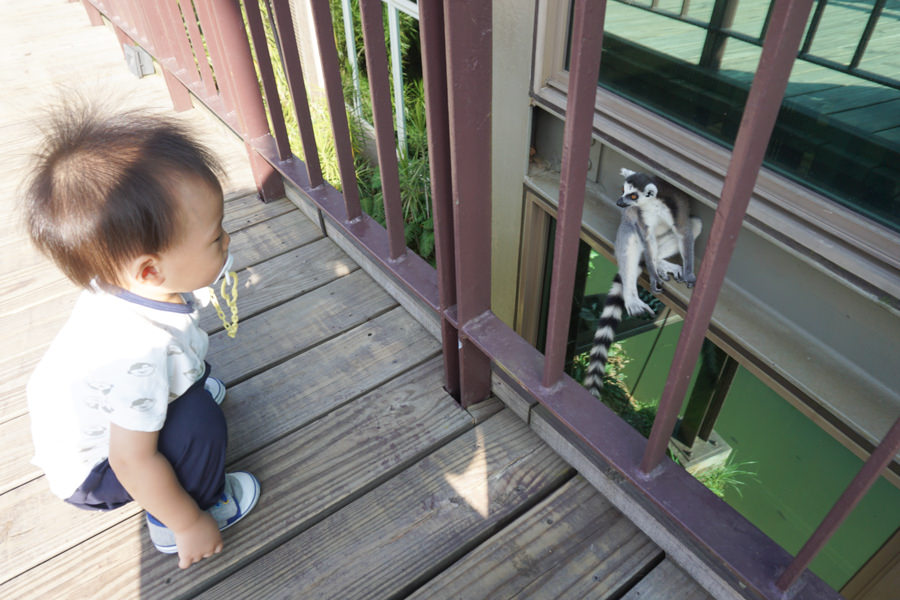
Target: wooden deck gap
[(637, 577), (276, 362), (523, 508), (338, 407)]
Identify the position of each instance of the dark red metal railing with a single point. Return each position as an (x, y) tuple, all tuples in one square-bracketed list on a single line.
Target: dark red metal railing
[(202, 46)]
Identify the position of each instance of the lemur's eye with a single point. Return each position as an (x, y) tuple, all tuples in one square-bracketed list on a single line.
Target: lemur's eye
[(633, 196)]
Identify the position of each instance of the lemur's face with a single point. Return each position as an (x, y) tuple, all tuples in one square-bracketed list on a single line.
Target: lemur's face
[(632, 195)]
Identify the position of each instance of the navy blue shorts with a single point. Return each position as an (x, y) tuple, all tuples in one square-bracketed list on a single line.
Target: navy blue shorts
[(193, 439)]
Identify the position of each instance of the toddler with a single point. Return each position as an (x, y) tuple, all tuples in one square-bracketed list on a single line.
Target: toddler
[(122, 406)]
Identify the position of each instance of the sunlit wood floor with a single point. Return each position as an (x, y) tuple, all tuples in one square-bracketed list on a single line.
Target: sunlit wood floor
[(375, 483)]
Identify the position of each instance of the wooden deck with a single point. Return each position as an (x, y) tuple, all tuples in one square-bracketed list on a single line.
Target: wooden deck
[(375, 484)]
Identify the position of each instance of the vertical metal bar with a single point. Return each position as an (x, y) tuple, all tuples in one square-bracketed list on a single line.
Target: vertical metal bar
[(143, 27), (126, 19), (587, 40), (93, 14), (178, 37), (335, 94), (765, 27), (722, 18), (878, 460), (218, 55), (434, 67), (293, 71), (867, 34), (713, 382), (199, 47), (397, 77), (685, 7), (236, 69), (813, 26), (780, 49), (267, 74), (162, 44), (468, 35), (726, 377), (165, 50), (376, 64), (350, 43)]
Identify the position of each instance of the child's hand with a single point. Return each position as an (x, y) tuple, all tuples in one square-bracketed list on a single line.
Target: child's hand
[(199, 540)]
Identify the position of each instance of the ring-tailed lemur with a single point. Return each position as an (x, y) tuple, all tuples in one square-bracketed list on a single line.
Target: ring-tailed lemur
[(655, 225)]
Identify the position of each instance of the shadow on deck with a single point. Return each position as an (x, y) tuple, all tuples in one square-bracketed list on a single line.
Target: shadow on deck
[(376, 484)]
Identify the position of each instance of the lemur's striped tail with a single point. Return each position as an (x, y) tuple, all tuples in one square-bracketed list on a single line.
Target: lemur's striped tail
[(613, 309)]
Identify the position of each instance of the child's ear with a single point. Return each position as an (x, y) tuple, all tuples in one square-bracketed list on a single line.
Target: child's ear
[(146, 270)]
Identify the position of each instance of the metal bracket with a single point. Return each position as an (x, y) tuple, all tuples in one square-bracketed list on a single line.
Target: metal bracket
[(139, 61)]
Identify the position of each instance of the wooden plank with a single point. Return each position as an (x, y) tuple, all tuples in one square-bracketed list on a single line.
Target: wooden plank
[(573, 545), (286, 276), (36, 525), (271, 238), (304, 477), (15, 455), (396, 537), (294, 393), (247, 210), (33, 284), (485, 409), (264, 340), (669, 582), (291, 328)]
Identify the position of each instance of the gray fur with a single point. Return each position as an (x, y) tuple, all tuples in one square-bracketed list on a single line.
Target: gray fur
[(656, 224)]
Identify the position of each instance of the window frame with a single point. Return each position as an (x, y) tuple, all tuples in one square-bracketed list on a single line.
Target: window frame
[(830, 237)]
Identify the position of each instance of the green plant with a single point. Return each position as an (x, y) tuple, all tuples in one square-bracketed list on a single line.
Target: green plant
[(414, 173), (729, 475), (615, 394)]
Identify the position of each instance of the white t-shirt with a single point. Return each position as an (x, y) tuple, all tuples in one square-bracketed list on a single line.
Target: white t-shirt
[(119, 359)]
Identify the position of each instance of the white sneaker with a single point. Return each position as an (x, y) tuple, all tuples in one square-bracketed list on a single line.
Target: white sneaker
[(240, 496)]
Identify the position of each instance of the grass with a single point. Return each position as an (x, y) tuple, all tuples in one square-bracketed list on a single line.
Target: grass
[(728, 476)]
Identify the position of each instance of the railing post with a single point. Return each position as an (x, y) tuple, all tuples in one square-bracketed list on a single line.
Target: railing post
[(587, 40), (779, 50), (237, 65), (293, 71), (376, 65), (434, 67), (93, 14), (267, 74), (467, 25), (334, 92)]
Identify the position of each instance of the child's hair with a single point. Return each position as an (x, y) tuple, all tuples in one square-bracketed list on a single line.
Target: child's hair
[(100, 191)]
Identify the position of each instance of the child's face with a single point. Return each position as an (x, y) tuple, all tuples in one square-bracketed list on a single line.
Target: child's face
[(201, 246)]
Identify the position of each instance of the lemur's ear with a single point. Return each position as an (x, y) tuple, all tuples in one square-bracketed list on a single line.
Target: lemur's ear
[(626, 173), (650, 190)]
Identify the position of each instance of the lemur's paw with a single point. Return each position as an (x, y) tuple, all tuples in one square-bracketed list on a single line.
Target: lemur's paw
[(689, 280), (638, 308), (667, 268)]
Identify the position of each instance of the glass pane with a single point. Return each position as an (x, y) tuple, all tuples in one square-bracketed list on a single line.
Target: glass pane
[(838, 131)]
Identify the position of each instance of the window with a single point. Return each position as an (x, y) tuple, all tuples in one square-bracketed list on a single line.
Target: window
[(838, 131)]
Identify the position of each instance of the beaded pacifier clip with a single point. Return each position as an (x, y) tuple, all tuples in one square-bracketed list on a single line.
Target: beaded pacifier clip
[(229, 296)]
